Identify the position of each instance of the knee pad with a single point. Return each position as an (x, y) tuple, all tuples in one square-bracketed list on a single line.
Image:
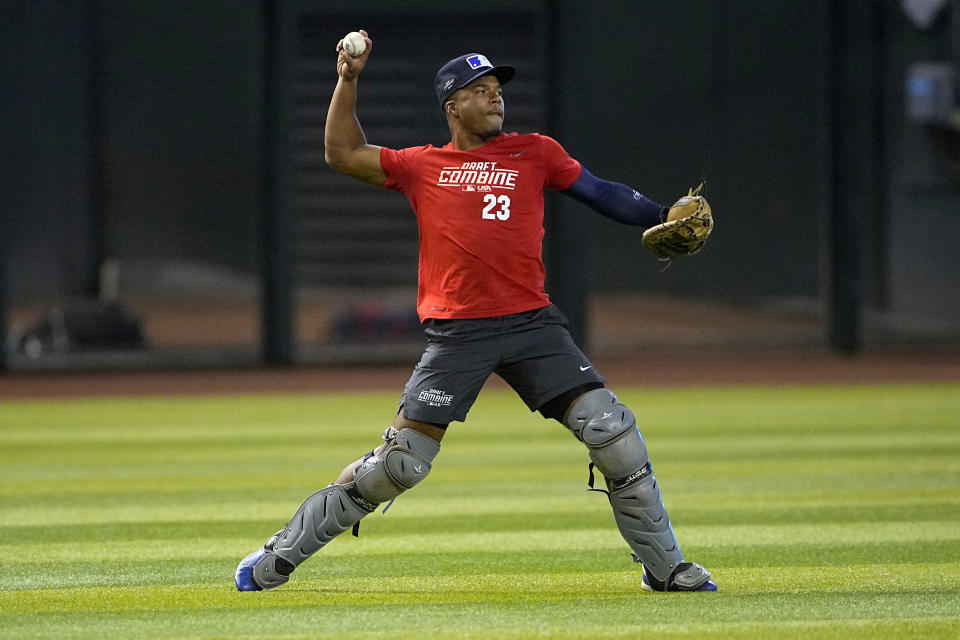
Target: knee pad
[(404, 462), (617, 449), (610, 432)]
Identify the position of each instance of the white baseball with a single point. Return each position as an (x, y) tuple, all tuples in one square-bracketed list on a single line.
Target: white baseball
[(354, 44)]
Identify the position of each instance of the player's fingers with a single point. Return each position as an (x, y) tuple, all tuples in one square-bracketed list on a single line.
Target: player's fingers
[(366, 38), (347, 66)]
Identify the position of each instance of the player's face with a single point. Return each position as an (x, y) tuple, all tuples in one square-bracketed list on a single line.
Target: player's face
[(480, 106)]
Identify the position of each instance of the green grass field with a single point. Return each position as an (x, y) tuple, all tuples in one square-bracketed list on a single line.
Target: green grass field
[(826, 512)]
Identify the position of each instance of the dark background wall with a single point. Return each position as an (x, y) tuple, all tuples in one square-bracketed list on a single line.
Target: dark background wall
[(132, 131), (181, 93), (173, 89), (730, 93), (45, 171)]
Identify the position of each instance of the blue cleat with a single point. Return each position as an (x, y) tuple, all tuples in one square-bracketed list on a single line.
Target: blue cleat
[(244, 575), (688, 576)]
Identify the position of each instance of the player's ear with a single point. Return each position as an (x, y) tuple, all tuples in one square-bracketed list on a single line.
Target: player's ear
[(451, 108)]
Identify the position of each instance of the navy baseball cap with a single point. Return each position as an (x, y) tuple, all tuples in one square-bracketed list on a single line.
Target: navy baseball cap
[(461, 71)]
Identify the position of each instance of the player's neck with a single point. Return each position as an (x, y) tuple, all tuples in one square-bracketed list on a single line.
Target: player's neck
[(468, 141)]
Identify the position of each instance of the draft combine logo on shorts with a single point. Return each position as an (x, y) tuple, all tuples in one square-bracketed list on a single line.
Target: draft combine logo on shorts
[(478, 176), (436, 398)]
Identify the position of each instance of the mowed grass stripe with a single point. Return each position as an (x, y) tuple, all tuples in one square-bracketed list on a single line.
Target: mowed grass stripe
[(459, 473), (532, 539), (776, 500), (257, 420), (213, 568), (500, 516), (624, 617), (827, 512), (895, 580)]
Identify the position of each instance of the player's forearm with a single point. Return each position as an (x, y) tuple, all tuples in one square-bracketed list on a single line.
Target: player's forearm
[(616, 201), (342, 133)]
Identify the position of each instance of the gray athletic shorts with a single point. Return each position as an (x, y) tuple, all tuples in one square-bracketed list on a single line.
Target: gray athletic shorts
[(532, 351)]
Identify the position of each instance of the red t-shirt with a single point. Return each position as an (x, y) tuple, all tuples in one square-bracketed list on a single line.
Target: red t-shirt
[(480, 215)]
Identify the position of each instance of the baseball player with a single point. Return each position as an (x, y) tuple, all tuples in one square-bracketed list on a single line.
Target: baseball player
[(479, 207)]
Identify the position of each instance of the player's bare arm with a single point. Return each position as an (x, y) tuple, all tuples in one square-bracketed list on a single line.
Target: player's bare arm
[(345, 146)]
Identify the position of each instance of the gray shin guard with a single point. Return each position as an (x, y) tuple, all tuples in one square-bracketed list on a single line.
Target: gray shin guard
[(616, 447), (322, 517), (402, 462)]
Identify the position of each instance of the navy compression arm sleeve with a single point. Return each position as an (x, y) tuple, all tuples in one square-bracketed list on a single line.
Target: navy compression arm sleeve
[(616, 201)]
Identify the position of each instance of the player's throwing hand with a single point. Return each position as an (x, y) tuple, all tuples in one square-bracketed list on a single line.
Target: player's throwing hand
[(350, 66)]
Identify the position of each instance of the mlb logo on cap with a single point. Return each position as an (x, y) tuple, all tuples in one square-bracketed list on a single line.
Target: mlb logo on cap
[(478, 61), (463, 70)]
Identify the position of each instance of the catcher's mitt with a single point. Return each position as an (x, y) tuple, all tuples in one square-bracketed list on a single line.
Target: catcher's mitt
[(689, 223)]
